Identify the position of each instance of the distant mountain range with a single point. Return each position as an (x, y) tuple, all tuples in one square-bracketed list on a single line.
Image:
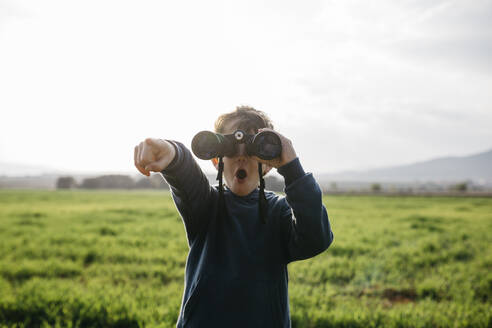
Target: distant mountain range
[(477, 168)]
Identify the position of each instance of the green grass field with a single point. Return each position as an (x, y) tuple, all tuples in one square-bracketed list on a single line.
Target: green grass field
[(116, 259)]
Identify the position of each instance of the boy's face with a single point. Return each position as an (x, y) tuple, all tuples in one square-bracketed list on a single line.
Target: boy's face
[(240, 171)]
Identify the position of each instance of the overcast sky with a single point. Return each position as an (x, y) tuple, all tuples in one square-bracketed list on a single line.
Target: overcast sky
[(353, 84)]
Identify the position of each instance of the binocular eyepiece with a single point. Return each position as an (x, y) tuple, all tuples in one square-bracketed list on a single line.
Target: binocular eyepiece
[(207, 145)]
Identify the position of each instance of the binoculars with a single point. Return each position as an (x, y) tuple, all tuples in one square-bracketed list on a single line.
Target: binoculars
[(265, 145)]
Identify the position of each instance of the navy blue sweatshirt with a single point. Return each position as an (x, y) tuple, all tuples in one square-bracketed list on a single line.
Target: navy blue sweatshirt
[(236, 270)]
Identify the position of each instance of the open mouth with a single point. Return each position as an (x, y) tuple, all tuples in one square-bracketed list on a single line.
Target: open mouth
[(241, 174)]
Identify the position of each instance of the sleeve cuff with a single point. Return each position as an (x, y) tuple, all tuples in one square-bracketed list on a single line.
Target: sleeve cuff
[(291, 171), (177, 157)]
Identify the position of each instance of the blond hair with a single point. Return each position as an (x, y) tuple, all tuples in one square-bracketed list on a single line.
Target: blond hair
[(250, 119)]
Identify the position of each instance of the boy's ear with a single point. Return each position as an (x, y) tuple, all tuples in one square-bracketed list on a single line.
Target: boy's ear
[(215, 162), (266, 169)]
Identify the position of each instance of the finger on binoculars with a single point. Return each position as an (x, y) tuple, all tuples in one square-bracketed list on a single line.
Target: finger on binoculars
[(259, 160), (276, 162), (270, 130), (276, 132)]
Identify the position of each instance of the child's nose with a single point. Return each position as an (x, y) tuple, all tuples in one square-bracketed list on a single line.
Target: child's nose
[(241, 150)]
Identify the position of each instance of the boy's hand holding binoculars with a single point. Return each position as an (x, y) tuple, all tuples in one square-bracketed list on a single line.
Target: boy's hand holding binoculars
[(287, 155), (153, 155)]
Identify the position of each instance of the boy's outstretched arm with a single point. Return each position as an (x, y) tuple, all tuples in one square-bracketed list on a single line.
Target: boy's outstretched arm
[(304, 225), (190, 188)]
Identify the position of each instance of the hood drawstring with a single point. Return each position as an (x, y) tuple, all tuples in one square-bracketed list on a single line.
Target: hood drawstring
[(261, 197), (221, 187)]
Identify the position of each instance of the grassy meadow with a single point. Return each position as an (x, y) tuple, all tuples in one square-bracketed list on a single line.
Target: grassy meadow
[(116, 259)]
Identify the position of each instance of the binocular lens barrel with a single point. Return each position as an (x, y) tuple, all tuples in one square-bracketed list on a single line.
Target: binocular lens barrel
[(267, 145), (207, 145)]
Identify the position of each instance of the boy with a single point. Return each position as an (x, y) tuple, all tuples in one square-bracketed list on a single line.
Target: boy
[(236, 270)]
